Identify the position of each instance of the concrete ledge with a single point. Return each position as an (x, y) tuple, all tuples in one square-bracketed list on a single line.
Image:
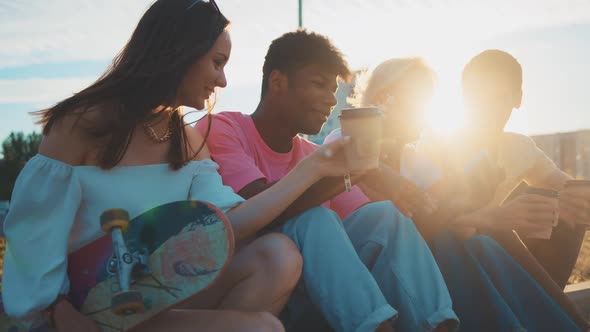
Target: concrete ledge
[(580, 294)]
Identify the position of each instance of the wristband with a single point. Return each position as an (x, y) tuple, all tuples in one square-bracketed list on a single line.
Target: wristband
[(347, 183)]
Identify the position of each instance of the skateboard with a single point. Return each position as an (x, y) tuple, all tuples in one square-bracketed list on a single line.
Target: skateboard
[(144, 266)]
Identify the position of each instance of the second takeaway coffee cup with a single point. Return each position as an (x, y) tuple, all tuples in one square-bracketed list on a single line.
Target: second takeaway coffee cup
[(364, 127), (545, 234)]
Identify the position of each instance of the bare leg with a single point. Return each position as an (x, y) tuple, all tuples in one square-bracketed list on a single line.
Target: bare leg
[(385, 327), (558, 255), (446, 326), (516, 248), (260, 277), (212, 320)]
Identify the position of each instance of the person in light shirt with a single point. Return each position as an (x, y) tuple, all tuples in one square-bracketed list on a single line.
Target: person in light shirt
[(477, 269), (492, 89)]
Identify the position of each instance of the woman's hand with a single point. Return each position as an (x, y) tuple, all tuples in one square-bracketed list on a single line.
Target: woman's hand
[(328, 160)]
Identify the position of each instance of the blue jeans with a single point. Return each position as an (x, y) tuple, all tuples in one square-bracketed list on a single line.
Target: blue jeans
[(355, 270), (491, 292)]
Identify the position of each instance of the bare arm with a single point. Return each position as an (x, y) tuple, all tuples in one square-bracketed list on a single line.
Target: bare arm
[(320, 192), (67, 142), (270, 202), (526, 213), (554, 179), (574, 202)]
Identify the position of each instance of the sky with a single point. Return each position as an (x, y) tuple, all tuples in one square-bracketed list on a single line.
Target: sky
[(52, 49)]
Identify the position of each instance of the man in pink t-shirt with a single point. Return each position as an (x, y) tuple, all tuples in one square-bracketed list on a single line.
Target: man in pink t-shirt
[(340, 234), (245, 158)]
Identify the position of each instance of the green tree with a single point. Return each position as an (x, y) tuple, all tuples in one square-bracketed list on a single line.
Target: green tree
[(17, 149), (21, 148)]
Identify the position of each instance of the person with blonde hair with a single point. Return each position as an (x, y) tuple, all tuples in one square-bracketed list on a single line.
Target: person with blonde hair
[(405, 84), (476, 269)]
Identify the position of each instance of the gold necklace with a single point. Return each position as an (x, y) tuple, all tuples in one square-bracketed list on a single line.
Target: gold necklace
[(152, 134)]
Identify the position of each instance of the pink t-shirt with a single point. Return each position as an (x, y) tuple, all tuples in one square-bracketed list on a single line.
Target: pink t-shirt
[(244, 157)]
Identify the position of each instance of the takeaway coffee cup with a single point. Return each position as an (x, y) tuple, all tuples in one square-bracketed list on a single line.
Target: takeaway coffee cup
[(545, 234), (364, 127)]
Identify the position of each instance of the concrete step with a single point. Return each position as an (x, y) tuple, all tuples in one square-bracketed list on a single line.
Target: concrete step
[(580, 294)]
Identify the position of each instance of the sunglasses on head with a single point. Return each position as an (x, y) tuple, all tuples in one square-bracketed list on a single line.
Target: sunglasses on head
[(212, 2)]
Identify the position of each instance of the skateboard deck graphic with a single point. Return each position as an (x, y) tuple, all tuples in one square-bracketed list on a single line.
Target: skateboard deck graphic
[(170, 253)]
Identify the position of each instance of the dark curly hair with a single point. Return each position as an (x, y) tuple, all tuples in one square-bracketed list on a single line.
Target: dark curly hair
[(301, 48)]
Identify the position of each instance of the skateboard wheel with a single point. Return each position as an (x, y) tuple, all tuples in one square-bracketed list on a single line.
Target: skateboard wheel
[(127, 303), (114, 218)]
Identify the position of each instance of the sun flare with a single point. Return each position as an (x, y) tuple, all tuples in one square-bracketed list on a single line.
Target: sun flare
[(444, 114)]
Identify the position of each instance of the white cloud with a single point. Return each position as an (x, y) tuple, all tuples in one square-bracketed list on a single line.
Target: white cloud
[(39, 91), (62, 30), (447, 32)]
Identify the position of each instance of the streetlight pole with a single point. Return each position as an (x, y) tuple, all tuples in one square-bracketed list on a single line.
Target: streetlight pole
[(301, 13), (305, 136)]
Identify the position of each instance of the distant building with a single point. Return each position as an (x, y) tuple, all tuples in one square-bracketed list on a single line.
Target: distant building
[(570, 151)]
